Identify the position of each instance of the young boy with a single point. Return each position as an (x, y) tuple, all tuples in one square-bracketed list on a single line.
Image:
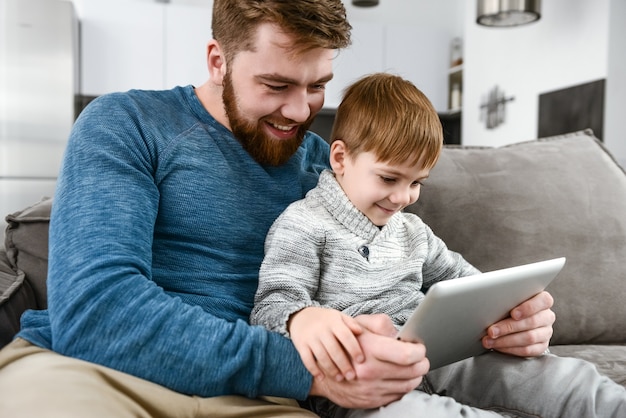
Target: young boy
[(348, 246), (347, 249)]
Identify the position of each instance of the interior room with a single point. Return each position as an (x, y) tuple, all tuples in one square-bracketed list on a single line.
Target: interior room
[(530, 101)]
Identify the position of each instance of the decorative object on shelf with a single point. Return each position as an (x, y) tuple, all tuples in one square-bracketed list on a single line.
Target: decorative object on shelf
[(494, 108), (455, 75), (455, 97), (506, 13), (365, 3), (456, 52)]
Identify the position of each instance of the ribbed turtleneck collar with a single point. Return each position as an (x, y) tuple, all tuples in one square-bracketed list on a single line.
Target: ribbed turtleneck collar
[(330, 193)]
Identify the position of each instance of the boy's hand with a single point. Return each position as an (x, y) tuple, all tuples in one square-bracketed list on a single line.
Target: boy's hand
[(527, 331), (327, 343)]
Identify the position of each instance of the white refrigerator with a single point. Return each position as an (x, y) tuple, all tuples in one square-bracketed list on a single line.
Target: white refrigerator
[(39, 79)]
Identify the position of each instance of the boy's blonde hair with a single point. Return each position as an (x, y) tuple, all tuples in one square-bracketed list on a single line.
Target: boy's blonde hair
[(389, 116)]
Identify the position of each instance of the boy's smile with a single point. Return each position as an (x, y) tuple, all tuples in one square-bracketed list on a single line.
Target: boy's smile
[(378, 189)]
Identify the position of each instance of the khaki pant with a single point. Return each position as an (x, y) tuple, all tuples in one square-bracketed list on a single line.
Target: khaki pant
[(40, 383)]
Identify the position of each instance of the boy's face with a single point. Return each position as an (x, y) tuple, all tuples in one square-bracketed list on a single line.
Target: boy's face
[(271, 95), (378, 189)]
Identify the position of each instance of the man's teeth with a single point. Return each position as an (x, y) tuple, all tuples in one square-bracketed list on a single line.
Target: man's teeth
[(281, 127)]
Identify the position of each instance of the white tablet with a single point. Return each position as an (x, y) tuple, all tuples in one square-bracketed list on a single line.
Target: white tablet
[(454, 315)]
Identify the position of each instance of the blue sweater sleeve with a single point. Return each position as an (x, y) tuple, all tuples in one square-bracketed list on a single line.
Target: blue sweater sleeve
[(104, 304)]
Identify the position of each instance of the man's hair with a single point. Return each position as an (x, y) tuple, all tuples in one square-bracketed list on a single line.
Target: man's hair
[(387, 115), (312, 23)]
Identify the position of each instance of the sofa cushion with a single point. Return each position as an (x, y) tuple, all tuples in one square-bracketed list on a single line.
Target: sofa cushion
[(610, 360), (541, 199), (26, 242)]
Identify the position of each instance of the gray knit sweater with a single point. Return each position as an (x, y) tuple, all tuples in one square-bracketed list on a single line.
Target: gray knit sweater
[(322, 251)]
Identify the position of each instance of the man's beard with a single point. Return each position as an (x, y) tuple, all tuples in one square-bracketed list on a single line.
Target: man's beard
[(263, 148)]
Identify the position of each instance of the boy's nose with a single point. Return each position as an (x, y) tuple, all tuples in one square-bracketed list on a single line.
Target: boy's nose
[(401, 197), (405, 197)]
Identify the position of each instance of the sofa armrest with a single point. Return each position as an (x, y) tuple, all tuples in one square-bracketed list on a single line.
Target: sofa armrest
[(16, 296), (26, 243)]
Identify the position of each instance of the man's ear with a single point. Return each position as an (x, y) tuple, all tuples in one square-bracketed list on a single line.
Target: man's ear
[(338, 154), (216, 62)]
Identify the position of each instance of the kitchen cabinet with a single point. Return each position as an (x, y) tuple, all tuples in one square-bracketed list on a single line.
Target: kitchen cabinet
[(417, 54), (143, 45), (152, 45)]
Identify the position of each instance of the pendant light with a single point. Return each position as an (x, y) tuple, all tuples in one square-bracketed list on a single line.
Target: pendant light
[(506, 13), (365, 3)]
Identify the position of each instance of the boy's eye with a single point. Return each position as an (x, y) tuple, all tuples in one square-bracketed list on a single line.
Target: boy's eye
[(417, 184), (387, 179)]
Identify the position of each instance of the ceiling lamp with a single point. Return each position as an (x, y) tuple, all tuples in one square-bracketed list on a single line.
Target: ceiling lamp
[(365, 3), (504, 13)]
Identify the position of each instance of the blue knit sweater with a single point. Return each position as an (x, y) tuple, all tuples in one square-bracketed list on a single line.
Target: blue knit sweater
[(156, 238)]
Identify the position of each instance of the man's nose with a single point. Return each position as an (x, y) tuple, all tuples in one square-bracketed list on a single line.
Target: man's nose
[(297, 108)]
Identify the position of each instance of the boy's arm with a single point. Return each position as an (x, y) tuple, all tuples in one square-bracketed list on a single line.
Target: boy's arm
[(442, 263), (289, 274), (285, 299)]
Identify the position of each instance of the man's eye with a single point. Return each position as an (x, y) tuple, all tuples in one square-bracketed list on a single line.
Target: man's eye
[(319, 87), (276, 88)]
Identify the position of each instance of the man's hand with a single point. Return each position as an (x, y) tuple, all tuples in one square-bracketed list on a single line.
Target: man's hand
[(326, 341), (391, 368), (527, 331)]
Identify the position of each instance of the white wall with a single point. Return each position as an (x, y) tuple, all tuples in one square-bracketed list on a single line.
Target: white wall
[(615, 102), (574, 42)]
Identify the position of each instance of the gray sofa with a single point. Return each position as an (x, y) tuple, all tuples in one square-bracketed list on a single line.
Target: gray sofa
[(552, 197)]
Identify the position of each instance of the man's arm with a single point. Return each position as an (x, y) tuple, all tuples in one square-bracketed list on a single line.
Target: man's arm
[(527, 331), (104, 305)]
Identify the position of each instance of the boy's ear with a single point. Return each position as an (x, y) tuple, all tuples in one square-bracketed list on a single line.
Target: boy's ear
[(338, 156)]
